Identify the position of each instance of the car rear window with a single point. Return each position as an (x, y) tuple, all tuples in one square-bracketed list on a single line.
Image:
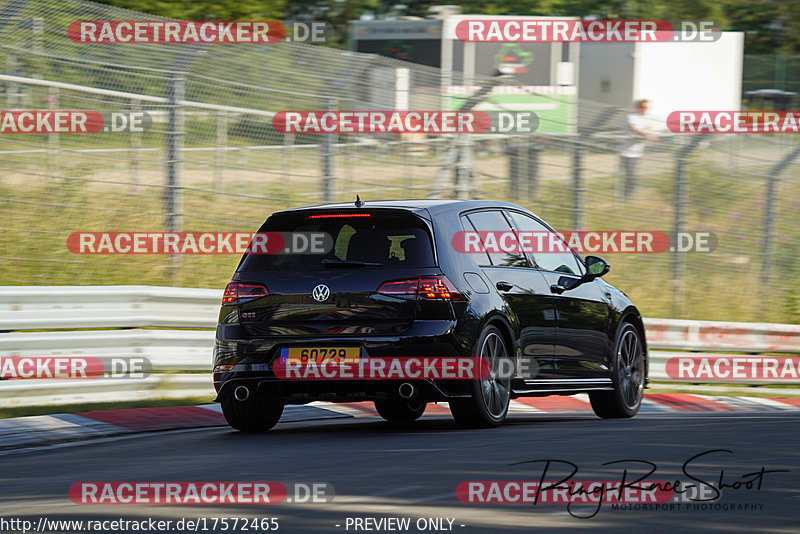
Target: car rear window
[(373, 239)]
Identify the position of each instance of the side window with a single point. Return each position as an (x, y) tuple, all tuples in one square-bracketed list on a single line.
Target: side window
[(496, 223), (549, 258), (481, 258)]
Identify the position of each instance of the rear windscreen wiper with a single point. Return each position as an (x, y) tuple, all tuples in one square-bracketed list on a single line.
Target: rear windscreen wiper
[(333, 264)]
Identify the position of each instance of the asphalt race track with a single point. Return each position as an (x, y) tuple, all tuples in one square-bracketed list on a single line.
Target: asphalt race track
[(380, 471)]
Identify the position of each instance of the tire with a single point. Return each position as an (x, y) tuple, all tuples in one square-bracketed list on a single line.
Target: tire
[(489, 399), (627, 376), (400, 411), (250, 415)]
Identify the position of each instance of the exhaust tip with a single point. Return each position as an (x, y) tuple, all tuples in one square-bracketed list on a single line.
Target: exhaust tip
[(406, 390), (241, 393)]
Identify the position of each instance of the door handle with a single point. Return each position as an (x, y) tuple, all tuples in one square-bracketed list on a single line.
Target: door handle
[(557, 289), (504, 286)]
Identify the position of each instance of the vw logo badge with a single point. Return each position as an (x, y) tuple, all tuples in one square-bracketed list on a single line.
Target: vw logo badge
[(321, 293)]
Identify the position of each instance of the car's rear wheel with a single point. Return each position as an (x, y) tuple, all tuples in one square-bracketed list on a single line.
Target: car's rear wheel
[(400, 411), (627, 376), (252, 415), (490, 396)]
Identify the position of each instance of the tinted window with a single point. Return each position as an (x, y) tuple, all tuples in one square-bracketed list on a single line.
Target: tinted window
[(385, 239), (495, 222), (549, 259), (480, 258)]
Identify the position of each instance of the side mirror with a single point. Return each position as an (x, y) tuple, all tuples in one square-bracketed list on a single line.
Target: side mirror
[(596, 267)]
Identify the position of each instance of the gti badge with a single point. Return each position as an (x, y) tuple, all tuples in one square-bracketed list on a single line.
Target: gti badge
[(321, 293)]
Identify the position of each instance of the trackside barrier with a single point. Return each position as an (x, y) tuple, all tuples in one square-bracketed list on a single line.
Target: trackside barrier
[(173, 328), (704, 336), (54, 307)]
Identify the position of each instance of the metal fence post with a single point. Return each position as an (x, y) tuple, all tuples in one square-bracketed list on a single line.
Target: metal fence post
[(287, 154), (773, 180), (450, 159), (534, 149), (53, 143), (578, 187), (174, 148), (221, 145), (135, 143), (11, 88), (769, 230), (681, 208), (679, 223), (172, 197), (38, 33), (578, 190), (463, 185), (460, 154), (326, 158), (514, 152)]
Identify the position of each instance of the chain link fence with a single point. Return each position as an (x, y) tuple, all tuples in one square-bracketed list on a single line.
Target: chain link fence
[(213, 162), (774, 71)]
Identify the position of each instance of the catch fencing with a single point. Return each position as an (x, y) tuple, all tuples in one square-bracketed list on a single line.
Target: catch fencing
[(213, 162)]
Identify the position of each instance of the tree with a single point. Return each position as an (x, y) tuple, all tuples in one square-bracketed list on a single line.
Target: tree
[(769, 24), (206, 9)]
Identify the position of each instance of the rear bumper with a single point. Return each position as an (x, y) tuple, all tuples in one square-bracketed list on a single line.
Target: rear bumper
[(303, 392), (253, 359)]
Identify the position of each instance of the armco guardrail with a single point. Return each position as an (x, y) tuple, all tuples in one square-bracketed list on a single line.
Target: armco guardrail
[(54, 307), (173, 328), (121, 319), (705, 336)]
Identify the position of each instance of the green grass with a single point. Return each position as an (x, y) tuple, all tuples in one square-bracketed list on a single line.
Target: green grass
[(37, 213)]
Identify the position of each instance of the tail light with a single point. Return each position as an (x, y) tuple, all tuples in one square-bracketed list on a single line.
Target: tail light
[(237, 291), (424, 288)]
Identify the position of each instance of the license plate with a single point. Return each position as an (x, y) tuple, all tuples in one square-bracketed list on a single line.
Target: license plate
[(320, 355)]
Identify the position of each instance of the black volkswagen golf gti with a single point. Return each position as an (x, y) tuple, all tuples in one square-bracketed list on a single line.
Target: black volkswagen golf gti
[(392, 283)]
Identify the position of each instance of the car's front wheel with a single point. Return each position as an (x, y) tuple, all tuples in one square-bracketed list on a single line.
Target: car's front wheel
[(627, 376), (252, 415), (490, 396), (400, 411)]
